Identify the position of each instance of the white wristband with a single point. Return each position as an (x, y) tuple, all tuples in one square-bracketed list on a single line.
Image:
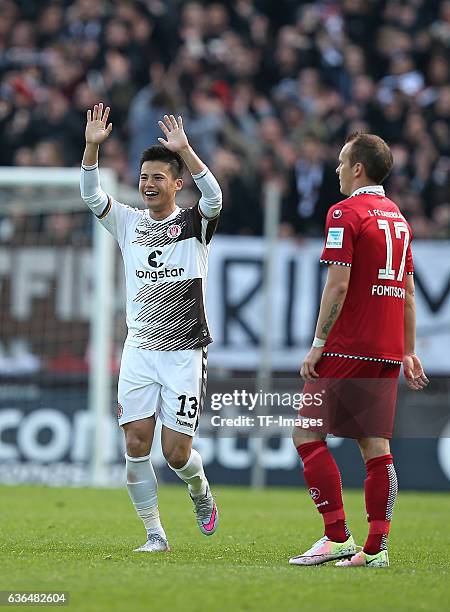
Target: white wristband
[(318, 342)]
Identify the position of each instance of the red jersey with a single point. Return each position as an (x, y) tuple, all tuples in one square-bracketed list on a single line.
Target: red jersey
[(368, 233)]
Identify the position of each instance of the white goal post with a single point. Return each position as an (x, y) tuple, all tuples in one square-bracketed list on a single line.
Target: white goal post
[(101, 309)]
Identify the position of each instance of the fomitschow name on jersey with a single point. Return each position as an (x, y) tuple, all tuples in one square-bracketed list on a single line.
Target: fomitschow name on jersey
[(384, 290)]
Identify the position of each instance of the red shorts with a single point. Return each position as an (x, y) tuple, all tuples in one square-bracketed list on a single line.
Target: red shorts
[(352, 398)]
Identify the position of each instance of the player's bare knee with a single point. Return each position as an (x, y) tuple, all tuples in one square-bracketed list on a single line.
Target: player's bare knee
[(137, 442), (139, 437), (298, 438), (373, 447), (302, 436), (176, 457), (136, 447)]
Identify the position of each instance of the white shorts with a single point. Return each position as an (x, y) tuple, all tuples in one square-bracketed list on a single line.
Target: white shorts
[(168, 384)]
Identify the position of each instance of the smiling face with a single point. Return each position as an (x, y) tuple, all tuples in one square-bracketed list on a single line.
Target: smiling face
[(158, 188)]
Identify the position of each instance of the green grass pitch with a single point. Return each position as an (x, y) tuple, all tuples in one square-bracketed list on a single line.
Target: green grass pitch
[(81, 541)]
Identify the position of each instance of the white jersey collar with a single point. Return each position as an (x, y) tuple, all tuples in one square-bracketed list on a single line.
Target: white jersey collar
[(169, 218), (370, 189)]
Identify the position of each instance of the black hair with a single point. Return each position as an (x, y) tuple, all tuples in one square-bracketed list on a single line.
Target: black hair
[(162, 154)]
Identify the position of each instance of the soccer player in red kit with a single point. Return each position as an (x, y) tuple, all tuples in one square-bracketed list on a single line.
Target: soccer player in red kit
[(365, 331)]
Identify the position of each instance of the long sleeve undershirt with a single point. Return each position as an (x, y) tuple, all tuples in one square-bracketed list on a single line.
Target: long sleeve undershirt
[(211, 200)]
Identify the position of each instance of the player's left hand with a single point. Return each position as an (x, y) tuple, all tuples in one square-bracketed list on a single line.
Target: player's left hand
[(413, 372), (173, 130), (308, 371)]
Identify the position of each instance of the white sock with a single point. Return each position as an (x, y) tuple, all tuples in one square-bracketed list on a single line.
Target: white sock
[(142, 487), (193, 474)]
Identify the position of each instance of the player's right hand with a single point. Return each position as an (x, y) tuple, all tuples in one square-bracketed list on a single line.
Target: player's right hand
[(96, 129), (413, 372), (308, 367)]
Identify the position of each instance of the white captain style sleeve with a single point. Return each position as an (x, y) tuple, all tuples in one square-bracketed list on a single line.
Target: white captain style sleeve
[(210, 203), (91, 191), (113, 215)]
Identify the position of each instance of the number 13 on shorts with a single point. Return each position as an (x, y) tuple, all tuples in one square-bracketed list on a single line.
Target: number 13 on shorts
[(190, 412)]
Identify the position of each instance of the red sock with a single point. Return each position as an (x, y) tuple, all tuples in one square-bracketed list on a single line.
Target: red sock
[(325, 487), (381, 491)]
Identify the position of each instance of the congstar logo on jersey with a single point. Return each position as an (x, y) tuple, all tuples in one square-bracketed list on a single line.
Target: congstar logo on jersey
[(153, 259), (156, 275)]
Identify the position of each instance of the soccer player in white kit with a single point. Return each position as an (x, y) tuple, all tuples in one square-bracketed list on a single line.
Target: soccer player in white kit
[(163, 369)]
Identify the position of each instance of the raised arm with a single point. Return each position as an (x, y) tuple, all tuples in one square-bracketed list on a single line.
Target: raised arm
[(412, 368), (333, 298), (96, 132), (211, 201)]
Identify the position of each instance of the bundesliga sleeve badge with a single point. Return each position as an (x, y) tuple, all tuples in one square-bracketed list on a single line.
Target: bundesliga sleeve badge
[(335, 238)]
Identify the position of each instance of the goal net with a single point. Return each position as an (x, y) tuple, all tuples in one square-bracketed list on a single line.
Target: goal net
[(58, 355)]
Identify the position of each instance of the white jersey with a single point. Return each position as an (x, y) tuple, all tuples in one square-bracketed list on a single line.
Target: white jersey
[(165, 262)]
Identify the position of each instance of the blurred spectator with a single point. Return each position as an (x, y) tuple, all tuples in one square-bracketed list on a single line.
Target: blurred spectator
[(146, 109), (241, 196), (311, 191), (64, 228), (269, 90)]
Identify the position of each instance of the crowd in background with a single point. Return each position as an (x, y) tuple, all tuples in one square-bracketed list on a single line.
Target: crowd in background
[(268, 89)]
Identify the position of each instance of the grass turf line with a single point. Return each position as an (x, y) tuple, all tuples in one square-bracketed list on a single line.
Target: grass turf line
[(81, 541)]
